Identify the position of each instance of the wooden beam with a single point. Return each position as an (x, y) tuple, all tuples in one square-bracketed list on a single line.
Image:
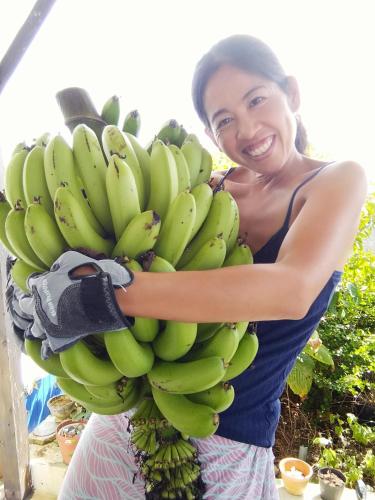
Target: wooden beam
[(14, 444), (23, 39)]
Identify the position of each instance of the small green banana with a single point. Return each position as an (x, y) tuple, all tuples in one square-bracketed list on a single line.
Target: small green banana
[(15, 232), (233, 235), (43, 234), (34, 180), (205, 169), (175, 340), (240, 254), (203, 196), (139, 236), (169, 132), (60, 170), (122, 194), (132, 123), (183, 172), (190, 418), (111, 110), (5, 208), (144, 161), (20, 273), (74, 225), (207, 330), (218, 223), (192, 150), (186, 377), (223, 344), (13, 179), (84, 367), (219, 397), (163, 179), (92, 168), (116, 142), (51, 365), (244, 356), (176, 228), (210, 256), (130, 357)]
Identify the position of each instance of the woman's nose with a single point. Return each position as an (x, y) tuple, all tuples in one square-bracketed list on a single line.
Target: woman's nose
[(247, 127)]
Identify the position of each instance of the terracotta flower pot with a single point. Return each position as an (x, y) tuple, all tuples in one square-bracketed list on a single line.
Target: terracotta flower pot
[(68, 441), (295, 474), (60, 407), (331, 482)]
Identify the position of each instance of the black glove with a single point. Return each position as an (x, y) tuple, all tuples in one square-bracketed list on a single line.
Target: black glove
[(69, 308), (18, 305)]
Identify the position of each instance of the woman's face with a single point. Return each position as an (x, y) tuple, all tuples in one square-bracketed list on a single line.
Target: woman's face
[(252, 119)]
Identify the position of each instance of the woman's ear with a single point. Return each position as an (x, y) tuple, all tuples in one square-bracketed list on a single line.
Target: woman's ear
[(293, 93)]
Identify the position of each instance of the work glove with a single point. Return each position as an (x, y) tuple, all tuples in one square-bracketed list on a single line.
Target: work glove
[(19, 306), (69, 308)]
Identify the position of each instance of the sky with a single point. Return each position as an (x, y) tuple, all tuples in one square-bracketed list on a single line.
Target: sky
[(145, 52)]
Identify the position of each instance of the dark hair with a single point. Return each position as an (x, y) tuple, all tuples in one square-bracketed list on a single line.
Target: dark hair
[(248, 54)]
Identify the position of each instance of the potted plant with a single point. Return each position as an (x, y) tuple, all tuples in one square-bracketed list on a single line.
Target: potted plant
[(332, 483), (68, 434), (295, 474)]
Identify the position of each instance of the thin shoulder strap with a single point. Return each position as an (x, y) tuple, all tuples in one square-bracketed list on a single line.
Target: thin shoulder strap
[(289, 212), (219, 185)]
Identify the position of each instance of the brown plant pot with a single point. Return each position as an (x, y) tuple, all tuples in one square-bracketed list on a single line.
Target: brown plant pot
[(60, 407), (329, 489), (67, 444)]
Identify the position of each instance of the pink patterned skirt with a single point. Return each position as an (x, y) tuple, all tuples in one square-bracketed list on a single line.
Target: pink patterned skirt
[(103, 466)]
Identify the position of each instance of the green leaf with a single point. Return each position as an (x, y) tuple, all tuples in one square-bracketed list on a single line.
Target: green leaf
[(300, 378), (323, 355)]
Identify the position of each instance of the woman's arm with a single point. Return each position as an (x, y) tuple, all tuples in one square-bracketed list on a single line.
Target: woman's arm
[(319, 240)]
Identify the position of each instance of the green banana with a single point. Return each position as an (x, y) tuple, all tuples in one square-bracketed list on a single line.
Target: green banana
[(188, 377), (223, 344), (169, 132), (205, 169), (20, 273), (203, 196), (84, 367), (143, 329), (190, 418), (132, 123), (241, 329), (163, 179), (19, 147), (15, 231), (124, 390), (218, 223), (181, 137), (139, 236), (144, 161), (43, 234), (219, 397), (60, 170), (130, 357), (122, 194), (240, 254), (176, 228), (74, 225), (192, 151), (92, 168), (13, 179), (79, 393), (5, 208), (207, 330), (175, 340), (116, 142), (210, 256), (233, 235), (155, 264), (34, 180), (183, 172), (42, 140), (244, 356), (51, 365), (111, 110)]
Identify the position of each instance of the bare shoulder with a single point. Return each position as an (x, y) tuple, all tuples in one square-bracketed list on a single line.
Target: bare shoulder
[(341, 177), (216, 177)]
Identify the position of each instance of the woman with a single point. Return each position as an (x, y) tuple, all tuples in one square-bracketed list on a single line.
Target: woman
[(299, 216)]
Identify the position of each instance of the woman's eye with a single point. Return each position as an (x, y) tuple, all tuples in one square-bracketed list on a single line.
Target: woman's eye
[(222, 123), (255, 101)]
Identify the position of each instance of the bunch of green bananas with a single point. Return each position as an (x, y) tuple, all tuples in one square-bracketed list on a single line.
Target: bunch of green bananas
[(157, 211)]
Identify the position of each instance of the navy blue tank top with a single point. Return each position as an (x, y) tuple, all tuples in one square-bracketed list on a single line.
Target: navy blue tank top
[(254, 415)]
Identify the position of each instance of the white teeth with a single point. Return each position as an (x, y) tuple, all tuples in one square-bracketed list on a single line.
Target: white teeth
[(261, 149)]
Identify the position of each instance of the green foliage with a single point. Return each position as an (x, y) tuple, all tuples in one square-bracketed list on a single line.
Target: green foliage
[(348, 448)]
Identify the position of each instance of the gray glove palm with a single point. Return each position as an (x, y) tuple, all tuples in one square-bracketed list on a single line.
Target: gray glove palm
[(69, 308)]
